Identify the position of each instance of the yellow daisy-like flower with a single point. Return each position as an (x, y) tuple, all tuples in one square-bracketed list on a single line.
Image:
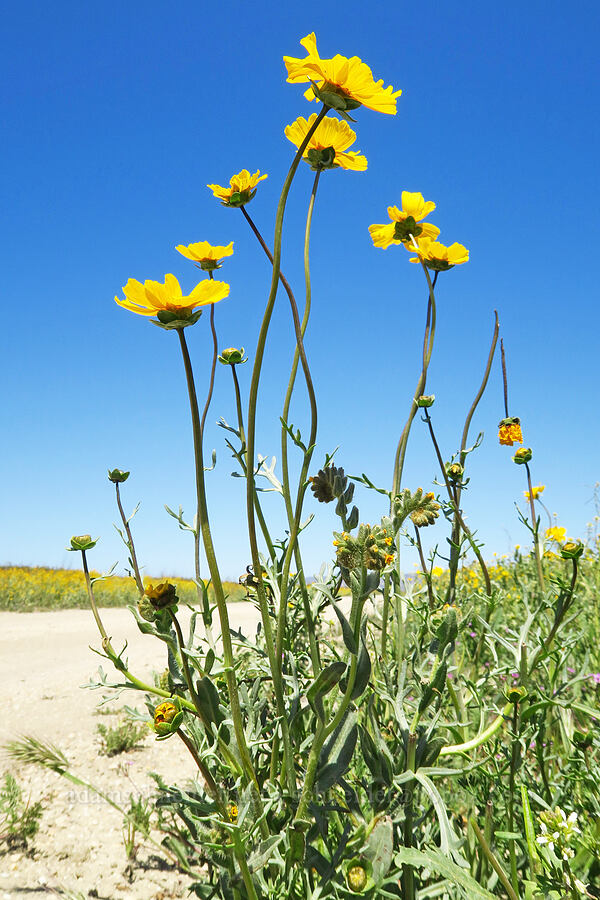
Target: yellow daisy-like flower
[(242, 188), (406, 222), (342, 83), (208, 256), (509, 431), (536, 491), (328, 145), (165, 712), (556, 533), (153, 297), (437, 256)]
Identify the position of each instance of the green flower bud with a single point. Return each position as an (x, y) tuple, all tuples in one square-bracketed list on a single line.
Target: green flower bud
[(117, 476), (515, 694), (523, 455), (571, 550), (167, 718), (82, 542), (454, 471), (425, 401), (359, 875), (357, 878), (328, 483), (161, 596), (232, 356)]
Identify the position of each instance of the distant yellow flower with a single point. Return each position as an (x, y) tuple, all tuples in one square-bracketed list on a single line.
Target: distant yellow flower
[(438, 257), (206, 254), (242, 188), (437, 571), (343, 83), (556, 533), (406, 222), (153, 297), (536, 491), (331, 134)]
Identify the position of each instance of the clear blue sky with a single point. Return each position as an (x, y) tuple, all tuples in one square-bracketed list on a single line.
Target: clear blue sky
[(115, 118)]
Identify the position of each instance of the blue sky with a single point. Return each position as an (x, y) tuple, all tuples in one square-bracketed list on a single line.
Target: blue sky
[(117, 117)]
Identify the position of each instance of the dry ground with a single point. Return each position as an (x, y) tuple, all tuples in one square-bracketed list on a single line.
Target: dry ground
[(44, 660)]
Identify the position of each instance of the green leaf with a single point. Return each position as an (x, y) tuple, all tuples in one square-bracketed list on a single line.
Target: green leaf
[(380, 848), (337, 753), (529, 831), (363, 668), (441, 865), (323, 683), (347, 632), (263, 852)]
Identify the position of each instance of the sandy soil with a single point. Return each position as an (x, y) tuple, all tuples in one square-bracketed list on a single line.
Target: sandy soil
[(44, 660)]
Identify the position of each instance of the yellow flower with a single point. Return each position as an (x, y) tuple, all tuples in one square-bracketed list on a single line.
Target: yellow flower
[(536, 491), (556, 533), (509, 431), (406, 222), (331, 134), (154, 297), (242, 188), (342, 83), (204, 253), (165, 712), (438, 257)]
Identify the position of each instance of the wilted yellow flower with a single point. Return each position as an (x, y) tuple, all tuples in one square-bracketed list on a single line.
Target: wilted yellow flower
[(343, 83), (165, 712), (406, 222), (152, 297), (331, 134), (509, 431), (242, 188), (556, 533), (437, 256), (536, 491), (206, 254)]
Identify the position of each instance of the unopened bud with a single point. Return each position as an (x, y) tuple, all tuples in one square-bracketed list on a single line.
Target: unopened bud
[(425, 401), (571, 550), (82, 542), (232, 356), (523, 455), (117, 476)]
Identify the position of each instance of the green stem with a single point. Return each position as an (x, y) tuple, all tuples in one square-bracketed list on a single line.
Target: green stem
[(243, 463), (493, 861), (294, 518), (428, 339), (211, 784), (535, 530), (514, 760), (130, 544), (426, 572), (457, 512), (455, 537), (408, 873), (204, 527), (251, 445)]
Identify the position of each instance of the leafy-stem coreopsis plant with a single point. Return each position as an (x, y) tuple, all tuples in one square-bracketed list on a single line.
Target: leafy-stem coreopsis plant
[(432, 741)]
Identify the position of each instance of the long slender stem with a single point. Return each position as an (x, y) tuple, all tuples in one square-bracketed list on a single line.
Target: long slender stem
[(452, 496), (299, 354), (130, 544), (535, 530), (211, 784), (504, 377), (493, 861), (455, 536), (204, 527), (408, 873), (295, 517), (514, 757), (428, 339), (251, 445), (426, 573), (480, 739), (243, 463)]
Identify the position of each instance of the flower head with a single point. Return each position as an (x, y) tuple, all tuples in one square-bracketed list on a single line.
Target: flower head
[(509, 431), (167, 302), (161, 596), (242, 188), (328, 146), (556, 533), (340, 82), (204, 253), (536, 491), (168, 716), (437, 256), (406, 223)]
